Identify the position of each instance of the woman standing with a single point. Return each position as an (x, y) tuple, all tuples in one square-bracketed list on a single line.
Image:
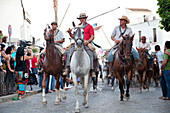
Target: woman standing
[(9, 71), (20, 67)]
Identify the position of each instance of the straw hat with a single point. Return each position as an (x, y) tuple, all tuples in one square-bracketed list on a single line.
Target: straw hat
[(125, 18), (82, 15)]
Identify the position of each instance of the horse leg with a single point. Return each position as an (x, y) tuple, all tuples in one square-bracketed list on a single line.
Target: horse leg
[(64, 91), (149, 79), (143, 80), (128, 84), (77, 109), (113, 79), (57, 86), (121, 82), (44, 101), (140, 82), (85, 103)]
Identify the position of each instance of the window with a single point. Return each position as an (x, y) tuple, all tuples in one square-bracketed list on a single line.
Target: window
[(139, 36), (154, 35)]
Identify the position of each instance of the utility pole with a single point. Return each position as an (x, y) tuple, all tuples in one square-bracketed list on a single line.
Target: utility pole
[(55, 9)]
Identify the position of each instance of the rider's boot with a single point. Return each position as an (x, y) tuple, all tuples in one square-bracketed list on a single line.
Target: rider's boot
[(110, 69)]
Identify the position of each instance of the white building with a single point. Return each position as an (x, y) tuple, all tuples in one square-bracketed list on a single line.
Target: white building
[(143, 23), (12, 14)]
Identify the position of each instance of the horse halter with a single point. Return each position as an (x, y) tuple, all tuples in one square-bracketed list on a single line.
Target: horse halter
[(79, 37), (127, 46)]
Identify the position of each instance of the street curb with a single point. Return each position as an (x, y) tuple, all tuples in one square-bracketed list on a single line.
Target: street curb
[(9, 97)]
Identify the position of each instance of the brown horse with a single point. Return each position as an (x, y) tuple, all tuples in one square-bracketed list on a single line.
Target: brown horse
[(52, 65), (142, 68), (123, 65)]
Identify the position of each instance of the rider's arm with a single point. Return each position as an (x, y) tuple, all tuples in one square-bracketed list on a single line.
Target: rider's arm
[(69, 32), (113, 36), (60, 41)]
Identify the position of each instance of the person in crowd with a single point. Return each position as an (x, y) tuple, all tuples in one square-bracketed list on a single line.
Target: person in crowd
[(159, 55), (165, 72), (21, 58), (33, 68), (4, 41), (9, 78), (2, 70), (1, 36)]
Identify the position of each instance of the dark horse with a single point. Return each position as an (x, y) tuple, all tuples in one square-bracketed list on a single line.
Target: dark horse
[(142, 68), (52, 65), (155, 70), (123, 65)]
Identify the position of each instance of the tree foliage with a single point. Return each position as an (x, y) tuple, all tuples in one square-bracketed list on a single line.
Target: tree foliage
[(164, 13)]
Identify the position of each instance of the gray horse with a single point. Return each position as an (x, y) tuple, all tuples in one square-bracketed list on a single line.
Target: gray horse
[(80, 67)]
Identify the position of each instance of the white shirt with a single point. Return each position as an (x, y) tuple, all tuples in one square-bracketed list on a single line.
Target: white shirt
[(144, 45), (6, 45), (58, 36), (159, 55), (116, 32)]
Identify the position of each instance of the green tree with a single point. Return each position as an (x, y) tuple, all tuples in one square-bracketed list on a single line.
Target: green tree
[(164, 13)]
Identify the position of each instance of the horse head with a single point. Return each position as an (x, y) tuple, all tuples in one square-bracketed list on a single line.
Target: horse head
[(78, 37), (141, 55), (127, 45), (49, 34)]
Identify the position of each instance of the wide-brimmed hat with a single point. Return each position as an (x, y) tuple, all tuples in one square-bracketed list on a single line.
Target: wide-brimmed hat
[(125, 18), (82, 15), (55, 23)]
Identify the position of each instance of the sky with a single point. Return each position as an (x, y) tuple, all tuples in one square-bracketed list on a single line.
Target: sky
[(42, 13)]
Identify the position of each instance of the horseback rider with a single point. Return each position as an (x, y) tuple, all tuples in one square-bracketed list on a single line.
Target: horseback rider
[(146, 46), (58, 38), (88, 38), (116, 36)]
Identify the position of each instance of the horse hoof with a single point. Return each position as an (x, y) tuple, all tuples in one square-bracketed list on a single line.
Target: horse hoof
[(44, 103), (56, 103), (77, 110), (86, 106), (95, 90), (113, 89), (84, 103), (59, 99), (64, 98), (127, 98)]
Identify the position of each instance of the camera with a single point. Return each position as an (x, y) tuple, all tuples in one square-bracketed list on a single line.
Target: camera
[(24, 44)]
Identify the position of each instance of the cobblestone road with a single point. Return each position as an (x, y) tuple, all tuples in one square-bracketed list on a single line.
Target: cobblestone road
[(105, 101)]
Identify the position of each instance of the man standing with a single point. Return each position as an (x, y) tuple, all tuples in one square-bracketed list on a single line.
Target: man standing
[(116, 36), (146, 47), (88, 38), (165, 72)]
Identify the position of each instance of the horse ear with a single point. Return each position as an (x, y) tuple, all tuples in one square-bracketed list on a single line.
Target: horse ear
[(132, 37), (73, 24), (124, 37)]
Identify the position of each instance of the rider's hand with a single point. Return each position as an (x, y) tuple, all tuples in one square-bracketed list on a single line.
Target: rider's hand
[(69, 30), (117, 41), (85, 43)]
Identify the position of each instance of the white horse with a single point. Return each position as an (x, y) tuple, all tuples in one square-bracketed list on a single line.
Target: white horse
[(80, 67)]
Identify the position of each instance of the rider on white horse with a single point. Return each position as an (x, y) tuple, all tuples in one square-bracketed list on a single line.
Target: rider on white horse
[(88, 38)]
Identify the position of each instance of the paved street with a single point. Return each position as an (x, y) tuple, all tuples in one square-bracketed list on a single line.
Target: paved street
[(104, 101)]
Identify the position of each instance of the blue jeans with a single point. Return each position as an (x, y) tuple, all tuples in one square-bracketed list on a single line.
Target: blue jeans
[(166, 74), (163, 86), (111, 56), (47, 84), (151, 58), (53, 83), (61, 83), (40, 79)]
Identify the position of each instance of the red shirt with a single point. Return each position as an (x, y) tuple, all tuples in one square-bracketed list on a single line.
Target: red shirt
[(33, 61), (88, 31)]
